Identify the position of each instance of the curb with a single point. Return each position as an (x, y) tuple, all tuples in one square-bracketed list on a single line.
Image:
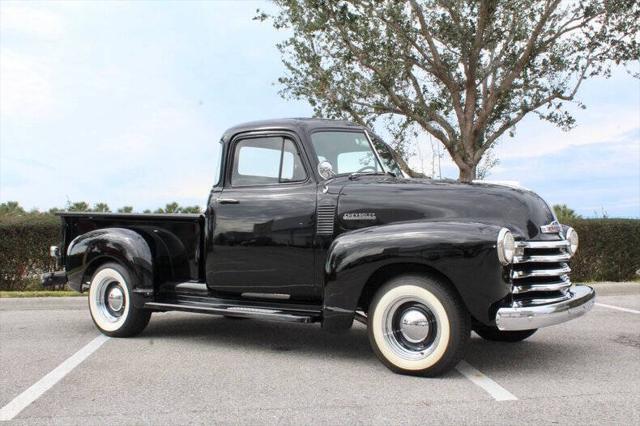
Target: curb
[(615, 288), (39, 303)]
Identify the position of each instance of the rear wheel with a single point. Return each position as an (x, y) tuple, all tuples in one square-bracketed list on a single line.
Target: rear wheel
[(418, 326), (493, 333), (110, 303)]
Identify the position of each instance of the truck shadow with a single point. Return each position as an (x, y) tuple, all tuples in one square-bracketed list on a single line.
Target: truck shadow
[(308, 339), (533, 355)]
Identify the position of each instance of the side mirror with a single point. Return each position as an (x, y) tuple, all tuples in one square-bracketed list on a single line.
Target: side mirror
[(326, 170)]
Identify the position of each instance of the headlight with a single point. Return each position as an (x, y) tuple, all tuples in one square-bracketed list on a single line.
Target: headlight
[(572, 237), (506, 246)]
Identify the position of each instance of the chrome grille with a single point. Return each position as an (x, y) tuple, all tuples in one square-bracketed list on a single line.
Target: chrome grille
[(326, 219), (540, 272)]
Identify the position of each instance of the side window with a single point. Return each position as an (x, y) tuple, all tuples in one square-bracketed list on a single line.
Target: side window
[(292, 168), (266, 161)]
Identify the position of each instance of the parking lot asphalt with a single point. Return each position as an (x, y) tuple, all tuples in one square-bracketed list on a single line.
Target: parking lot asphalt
[(197, 369)]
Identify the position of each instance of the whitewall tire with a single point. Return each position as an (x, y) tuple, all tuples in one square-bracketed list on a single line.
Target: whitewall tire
[(110, 302), (418, 326)]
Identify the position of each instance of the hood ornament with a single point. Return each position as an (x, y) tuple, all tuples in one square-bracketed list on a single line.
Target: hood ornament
[(552, 228)]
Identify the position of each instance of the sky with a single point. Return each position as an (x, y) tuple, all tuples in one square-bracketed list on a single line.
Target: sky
[(124, 103)]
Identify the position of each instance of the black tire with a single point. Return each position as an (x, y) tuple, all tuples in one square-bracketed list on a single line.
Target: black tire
[(492, 333), (418, 326), (110, 289)]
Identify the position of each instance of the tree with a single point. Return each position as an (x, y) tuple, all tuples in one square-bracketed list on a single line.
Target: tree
[(125, 209), (190, 209), (176, 208), (169, 208), (101, 207), (464, 71), (79, 206), (11, 208), (564, 214)]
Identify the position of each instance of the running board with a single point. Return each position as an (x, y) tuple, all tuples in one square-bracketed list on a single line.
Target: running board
[(242, 311)]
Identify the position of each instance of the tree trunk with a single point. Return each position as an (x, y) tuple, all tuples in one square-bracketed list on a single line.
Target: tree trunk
[(467, 172)]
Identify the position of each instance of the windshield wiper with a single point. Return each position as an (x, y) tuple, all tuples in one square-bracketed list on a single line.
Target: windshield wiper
[(354, 175)]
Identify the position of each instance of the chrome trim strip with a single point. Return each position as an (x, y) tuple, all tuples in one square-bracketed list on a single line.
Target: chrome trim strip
[(543, 244), (563, 257), (279, 296), (238, 311), (541, 301), (541, 272), (193, 286), (561, 285), (582, 299)]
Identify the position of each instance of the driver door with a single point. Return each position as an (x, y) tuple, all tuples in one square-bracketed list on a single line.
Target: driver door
[(265, 222)]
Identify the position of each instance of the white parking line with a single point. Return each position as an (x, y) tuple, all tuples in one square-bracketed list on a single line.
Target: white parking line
[(492, 388), (23, 400), (633, 311)]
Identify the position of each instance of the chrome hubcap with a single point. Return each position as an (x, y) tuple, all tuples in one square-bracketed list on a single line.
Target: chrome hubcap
[(110, 298), (115, 298), (414, 326), (410, 328)]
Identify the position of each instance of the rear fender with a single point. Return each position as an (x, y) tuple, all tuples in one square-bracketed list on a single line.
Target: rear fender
[(112, 244), (463, 252)]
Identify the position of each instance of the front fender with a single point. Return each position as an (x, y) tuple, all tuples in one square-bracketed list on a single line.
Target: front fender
[(464, 252), (122, 245)]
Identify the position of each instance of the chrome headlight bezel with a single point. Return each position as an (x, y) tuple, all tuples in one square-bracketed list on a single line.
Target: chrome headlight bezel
[(506, 246), (574, 241)]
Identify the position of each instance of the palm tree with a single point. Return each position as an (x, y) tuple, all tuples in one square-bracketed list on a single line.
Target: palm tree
[(564, 214), (101, 207)]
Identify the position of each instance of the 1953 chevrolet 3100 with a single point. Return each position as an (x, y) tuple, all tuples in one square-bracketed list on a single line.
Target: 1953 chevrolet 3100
[(311, 220)]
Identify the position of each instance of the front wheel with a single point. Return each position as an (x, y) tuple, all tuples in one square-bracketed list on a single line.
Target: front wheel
[(110, 303), (418, 326), (496, 335)]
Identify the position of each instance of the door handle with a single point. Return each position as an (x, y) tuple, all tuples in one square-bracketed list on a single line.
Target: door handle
[(228, 201)]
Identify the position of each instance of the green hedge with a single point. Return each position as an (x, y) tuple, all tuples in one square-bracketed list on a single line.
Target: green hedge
[(609, 250), (24, 249)]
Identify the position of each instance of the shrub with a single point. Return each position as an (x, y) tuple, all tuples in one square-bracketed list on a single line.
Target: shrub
[(24, 249), (609, 250)]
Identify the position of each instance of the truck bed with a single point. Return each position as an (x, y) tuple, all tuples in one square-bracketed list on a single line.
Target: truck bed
[(176, 240)]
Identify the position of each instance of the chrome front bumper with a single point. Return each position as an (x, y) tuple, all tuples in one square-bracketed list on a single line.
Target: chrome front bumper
[(526, 318)]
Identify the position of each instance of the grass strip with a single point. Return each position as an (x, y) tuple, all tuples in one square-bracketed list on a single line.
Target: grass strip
[(40, 293)]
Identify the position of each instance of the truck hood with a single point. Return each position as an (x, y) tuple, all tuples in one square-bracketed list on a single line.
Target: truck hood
[(376, 200)]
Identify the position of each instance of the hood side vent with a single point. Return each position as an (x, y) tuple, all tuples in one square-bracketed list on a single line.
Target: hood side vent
[(326, 219)]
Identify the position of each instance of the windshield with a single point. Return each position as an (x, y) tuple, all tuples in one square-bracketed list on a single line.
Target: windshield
[(348, 152), (386, 155)]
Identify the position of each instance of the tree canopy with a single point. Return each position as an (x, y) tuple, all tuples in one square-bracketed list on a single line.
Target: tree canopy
[(464, 71)]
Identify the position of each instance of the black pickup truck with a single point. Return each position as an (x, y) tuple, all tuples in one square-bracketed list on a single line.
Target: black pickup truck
[(312, 220)]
